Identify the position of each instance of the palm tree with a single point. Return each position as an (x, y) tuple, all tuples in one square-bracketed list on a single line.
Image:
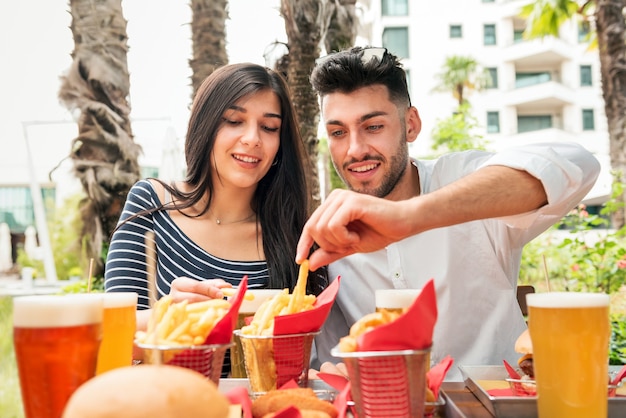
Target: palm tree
[(460, 75), (544, 17), (342, 28), (208, 35), (305, 21), (96, 87)]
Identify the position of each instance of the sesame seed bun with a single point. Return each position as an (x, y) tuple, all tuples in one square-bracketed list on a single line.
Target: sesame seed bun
[(148, 391)]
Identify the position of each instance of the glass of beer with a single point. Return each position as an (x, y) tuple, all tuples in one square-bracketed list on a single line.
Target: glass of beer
[(395, 299), (570, 336), (248, 308), (118, 331), (56, 341)]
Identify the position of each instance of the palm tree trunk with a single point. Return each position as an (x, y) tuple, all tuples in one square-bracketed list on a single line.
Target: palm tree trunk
[(97, 86), (305, 21), (208, 35), (611, 32)]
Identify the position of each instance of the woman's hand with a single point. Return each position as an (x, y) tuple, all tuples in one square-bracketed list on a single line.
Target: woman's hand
[(185, 288)]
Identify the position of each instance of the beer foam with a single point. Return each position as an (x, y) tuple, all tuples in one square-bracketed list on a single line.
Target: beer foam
[(57, 310), (260, 296), (567, 300), (395, 298), (119, 299)]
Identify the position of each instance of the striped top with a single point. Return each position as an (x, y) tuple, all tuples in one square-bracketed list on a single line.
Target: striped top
[(177, 254)]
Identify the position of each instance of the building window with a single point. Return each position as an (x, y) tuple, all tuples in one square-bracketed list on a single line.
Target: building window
[(149, 171), (530, 79), (493, 122), (533, 123), (489, 34), (518, 35), (493, 78), (456, 31), (585, 75), (396, 40), (17, 209), (395, 7), (583, 31), (588, 120)]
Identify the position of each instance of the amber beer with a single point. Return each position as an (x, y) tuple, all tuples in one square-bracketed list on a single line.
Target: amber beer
[(248, 308), (395, 299), (118, 331), (570, 337), (56, 342)]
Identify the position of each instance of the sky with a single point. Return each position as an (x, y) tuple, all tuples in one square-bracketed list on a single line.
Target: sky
[(35, 47)]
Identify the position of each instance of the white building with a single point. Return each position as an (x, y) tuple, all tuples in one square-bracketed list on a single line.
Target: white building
[(544, 89)]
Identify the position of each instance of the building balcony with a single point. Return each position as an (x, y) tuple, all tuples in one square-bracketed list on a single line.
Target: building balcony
[(538, 53), (511, 8), (542, 96)]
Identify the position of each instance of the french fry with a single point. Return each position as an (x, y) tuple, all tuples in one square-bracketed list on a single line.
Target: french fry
[(182, 323)]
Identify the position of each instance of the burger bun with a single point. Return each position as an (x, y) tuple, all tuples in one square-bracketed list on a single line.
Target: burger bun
[(148, 391), (523, 344)]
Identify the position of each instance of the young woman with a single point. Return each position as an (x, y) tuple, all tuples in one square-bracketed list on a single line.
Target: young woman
[(240, 209)]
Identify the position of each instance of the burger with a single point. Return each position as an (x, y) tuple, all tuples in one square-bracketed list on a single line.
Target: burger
[(524, 346), (148, 391)]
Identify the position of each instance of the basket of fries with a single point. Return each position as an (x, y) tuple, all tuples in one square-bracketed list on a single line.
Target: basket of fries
[(387, 354), (273, 360), (191, 335), (277, 342), (206, 359), (387, 384)]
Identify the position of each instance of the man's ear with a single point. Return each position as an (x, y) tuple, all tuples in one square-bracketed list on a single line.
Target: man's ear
[(413, 124)]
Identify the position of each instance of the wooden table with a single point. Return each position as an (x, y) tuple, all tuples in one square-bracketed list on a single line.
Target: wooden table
[(461, 403)]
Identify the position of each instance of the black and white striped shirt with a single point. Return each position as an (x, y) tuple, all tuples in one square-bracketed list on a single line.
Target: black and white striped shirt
[(177, 255)]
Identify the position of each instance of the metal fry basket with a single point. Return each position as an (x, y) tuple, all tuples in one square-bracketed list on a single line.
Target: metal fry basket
[(205, 359), (387, 384), (273, 360)]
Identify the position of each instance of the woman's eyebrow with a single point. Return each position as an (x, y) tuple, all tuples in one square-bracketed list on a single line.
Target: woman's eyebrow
[(244, 110)]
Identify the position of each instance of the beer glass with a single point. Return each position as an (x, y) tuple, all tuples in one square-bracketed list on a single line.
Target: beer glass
[(570, 337), (395, 299), (247, 308), (118, 331), (56, 341)]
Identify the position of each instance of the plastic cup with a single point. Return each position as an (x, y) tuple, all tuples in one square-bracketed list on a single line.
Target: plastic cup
[(56, 347), (118, 331), (570, 336), (248, 308), (395, 299)]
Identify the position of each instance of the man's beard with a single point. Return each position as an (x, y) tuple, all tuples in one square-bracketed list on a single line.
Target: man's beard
[(397, 167)]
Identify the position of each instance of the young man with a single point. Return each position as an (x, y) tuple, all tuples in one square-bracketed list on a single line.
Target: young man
[(462, 219)]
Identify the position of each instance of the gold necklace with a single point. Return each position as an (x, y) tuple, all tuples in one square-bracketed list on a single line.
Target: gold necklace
[(220, 222)]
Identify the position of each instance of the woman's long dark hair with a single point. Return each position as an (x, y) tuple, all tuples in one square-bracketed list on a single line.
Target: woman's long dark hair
[(281, 198)]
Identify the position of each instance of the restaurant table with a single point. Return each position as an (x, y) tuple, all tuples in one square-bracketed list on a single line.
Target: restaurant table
[(461, 402)]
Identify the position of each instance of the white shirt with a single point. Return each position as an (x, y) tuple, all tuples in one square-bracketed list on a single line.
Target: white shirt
[(474, 265)]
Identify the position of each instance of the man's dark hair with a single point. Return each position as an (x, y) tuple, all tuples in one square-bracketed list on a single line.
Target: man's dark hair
[(346, 71)]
